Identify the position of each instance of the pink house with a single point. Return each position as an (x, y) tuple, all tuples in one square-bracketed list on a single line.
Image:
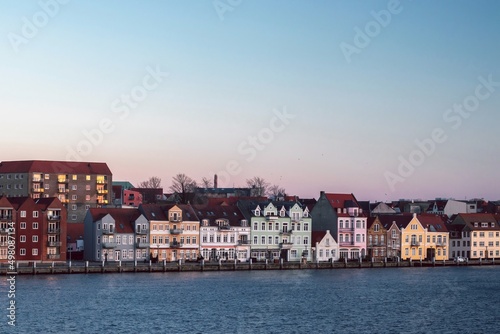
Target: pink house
[(132, 198)]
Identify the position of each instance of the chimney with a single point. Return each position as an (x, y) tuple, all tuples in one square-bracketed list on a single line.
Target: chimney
[(215, 181)]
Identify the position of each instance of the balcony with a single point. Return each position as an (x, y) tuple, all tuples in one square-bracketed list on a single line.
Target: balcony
[(109, 245), (441, 244), (37, 179), (37, 190), (142, 231), (54, 256), (346, 229), (54, 243), (102, 201), (289, 232), (54, 230), (175, 219), (53, 217), (243, 242), (176, 244), (286, 245), (224, 228), (176, 231), (346, 243), (62, 180), (272, 217), (108, 231), (5, 217), (101, 181), (62, 190), (4, 230), (415, 243), (102, 191), (141, 244)]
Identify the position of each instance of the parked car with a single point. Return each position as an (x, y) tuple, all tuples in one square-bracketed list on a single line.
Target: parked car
[(459, 259)]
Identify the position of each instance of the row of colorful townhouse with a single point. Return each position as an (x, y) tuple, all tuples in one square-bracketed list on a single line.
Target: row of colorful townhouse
[(251, 229), (335, 228)]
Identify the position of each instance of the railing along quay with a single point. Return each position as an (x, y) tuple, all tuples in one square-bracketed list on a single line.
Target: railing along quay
[(86, 267)]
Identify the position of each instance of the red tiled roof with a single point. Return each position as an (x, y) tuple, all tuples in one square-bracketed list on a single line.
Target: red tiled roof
[(340, 200), (45, 166), (433, 223)]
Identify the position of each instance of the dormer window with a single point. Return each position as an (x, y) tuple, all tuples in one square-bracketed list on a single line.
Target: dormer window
[(282, 213), (257, 212)]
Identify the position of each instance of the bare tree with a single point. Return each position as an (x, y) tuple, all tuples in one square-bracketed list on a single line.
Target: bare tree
[(275, 192), (152, 182), (182, 185), (207, 183), (259, 186)]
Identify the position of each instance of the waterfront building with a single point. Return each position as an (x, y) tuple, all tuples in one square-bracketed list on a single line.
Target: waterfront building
[(224, 233), (377, 239), (174, 232), (279, 229), (437, 237), (78, 185), (115, 234), (39, 228), (481, 234), (343, 216), (324, 246), (413, 237)]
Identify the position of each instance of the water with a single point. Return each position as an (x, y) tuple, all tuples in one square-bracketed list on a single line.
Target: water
[(403, 300)]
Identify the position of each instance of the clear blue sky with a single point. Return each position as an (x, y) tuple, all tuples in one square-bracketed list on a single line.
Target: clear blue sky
[(233, 65)]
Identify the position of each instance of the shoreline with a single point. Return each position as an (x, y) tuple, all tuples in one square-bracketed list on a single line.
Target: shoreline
[(81, 267)]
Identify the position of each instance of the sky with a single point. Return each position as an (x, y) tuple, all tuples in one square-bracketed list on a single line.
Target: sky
[(383, 99)]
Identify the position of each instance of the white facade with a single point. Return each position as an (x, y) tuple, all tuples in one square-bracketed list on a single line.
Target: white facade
[(327, 249), (225, 242)]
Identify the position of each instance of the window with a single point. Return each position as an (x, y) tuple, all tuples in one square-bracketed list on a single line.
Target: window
[(73, 197), (35, 214), (255, 239), (73, 207), (306, 227), (87, 197), (263, 226), (34, 238), (34, 251), (22, 251), (306, 241), (46, 186), (22, 226), (263, 240), (255, 226), (394, 236), (47, 176), (35, 226), (270, 240), (87, 177), (74, 177), (22, 238), (73, 187), (376, 227), (73, 217)]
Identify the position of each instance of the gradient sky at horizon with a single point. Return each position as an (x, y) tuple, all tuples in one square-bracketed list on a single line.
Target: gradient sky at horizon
[(227, 79)]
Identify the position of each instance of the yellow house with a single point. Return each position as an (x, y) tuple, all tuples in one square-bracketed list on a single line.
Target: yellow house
[(425, 237), (413, 237), (174, 231), (437, 238)]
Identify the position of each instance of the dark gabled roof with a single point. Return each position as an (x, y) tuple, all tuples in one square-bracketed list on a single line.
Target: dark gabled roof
[(44, 166), (160, 212), (75, 231), (401, 220), (124, 218), (153, 212), (317, 236), (46, 202), (231, 213), (342, 200)]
